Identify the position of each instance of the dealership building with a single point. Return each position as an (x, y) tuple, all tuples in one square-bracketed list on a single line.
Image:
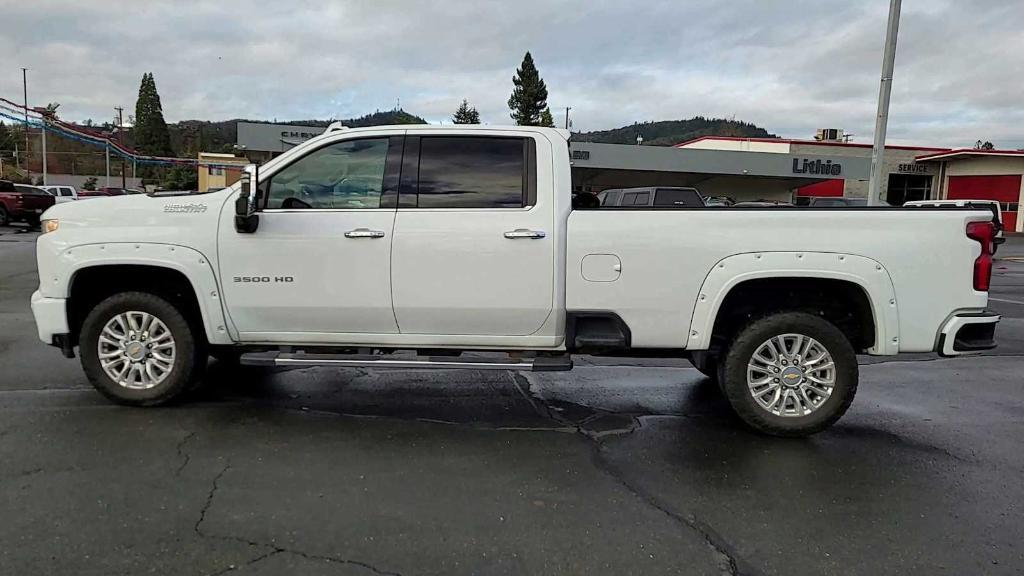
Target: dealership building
[(912, 172), (760, 168)]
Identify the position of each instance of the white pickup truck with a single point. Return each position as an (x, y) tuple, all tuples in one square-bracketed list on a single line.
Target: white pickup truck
[(405, 246)]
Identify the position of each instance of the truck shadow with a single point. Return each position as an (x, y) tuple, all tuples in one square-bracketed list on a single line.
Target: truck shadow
[(493, 399)]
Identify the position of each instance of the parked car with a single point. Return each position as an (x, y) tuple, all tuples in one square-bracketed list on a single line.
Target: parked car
[(840, 201), (20, 202), (464, 238), (763, 204), (101, 193), (718, 201), (62, 193), (656, 196)]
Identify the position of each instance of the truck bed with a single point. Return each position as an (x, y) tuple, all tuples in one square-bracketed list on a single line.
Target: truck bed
[(670, 259)]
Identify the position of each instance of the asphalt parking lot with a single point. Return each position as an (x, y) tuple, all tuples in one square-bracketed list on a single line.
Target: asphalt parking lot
[(619, 467)]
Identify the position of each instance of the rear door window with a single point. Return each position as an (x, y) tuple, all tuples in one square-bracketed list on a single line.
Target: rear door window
[(641, 198), (472, 172)]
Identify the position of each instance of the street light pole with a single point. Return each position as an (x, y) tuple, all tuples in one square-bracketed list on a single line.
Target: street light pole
[(42, 132), (884, 90), (24, 93), (120, 140)]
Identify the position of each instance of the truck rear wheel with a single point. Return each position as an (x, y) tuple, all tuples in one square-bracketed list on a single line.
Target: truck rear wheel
[(138, 349), (790, 374)]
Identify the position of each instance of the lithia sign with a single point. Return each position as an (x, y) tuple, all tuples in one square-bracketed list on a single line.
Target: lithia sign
[(808, 166)]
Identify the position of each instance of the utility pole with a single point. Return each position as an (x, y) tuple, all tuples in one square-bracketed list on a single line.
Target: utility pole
[(106, 152), (885, 88), (567, 108), (24, 93), (120, 140), (42, 132)]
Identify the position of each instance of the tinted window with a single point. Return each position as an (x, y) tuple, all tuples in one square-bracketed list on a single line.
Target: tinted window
[(668, 197), (6, 186), (347, 174), (609, 197), (466, 172), (66, 192), (641, 198)]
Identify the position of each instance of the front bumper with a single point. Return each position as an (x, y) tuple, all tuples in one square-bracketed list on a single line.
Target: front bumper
[(965, 333), (51, 317)]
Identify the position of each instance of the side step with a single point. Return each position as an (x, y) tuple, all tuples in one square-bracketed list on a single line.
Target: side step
[(293, 359)]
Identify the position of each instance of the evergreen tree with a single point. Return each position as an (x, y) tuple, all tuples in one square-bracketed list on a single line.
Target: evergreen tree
[(529, 96), (150, 133), (6, 138), (546, 119), (466, 114)]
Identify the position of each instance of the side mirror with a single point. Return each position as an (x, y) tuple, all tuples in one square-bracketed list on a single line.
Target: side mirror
[(246, 219)]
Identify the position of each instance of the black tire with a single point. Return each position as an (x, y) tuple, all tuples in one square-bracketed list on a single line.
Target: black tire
[(4, 218), (750, 338), (190, 349)]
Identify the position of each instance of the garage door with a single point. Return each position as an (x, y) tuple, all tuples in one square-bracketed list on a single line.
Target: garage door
[(1002, 189)]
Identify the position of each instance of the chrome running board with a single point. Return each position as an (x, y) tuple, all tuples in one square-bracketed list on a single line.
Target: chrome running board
[(300, 359)]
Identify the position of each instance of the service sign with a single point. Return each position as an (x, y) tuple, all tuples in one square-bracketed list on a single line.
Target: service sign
[(913, 168)]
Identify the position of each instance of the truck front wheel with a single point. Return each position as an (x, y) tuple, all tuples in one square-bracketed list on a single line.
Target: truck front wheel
[(138, 349), (790, 374)]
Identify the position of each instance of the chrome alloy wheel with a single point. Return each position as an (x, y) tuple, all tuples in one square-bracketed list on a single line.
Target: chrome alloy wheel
[(136, 350), (791, 375)]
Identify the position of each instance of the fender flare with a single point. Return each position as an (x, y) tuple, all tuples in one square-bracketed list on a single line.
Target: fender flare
[(865, 272), (191, 263)]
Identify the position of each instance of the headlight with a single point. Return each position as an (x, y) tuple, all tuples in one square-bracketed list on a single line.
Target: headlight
[(50, 225)]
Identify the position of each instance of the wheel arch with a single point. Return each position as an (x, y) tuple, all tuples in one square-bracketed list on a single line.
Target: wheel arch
[(731, 275), (92, 272)]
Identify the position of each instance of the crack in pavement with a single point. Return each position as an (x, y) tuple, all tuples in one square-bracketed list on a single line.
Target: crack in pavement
[(180, 449), (274, 549), (233, 567), (209, 499), (727, 558)]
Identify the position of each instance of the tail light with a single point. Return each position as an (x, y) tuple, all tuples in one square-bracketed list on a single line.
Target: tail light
[(983, 233)]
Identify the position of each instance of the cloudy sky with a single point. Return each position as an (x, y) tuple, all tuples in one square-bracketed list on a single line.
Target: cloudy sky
[(790, 66)]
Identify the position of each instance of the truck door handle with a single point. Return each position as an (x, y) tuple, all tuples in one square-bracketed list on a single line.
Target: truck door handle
[(524, 233), (364, 233)]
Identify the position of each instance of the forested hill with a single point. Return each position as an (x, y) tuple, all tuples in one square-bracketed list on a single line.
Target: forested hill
[(672, 132), (189, 136)]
